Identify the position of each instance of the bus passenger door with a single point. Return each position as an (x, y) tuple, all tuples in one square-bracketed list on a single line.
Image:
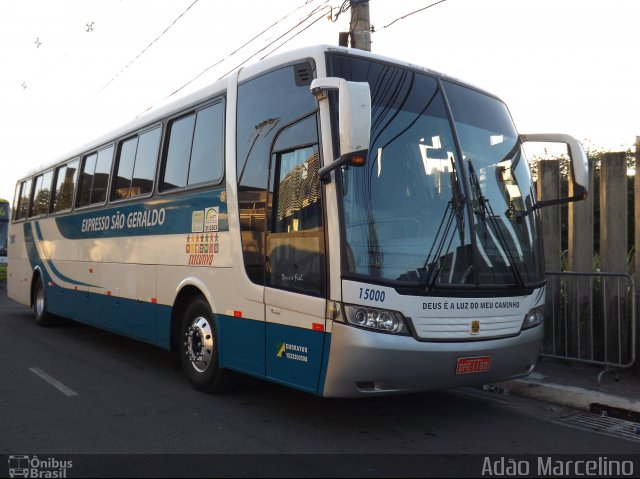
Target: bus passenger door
[(295, 292)]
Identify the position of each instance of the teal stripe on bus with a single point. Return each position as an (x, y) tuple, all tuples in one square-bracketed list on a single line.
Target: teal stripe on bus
[(30, 244), (175, 214), (141, 320), (294, 356), (52, 267)]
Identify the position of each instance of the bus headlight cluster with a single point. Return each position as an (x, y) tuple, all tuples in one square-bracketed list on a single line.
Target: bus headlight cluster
[(534, 317), (375, 319)]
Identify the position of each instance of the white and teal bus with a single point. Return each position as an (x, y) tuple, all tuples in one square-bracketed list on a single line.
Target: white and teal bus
[(328, 219)]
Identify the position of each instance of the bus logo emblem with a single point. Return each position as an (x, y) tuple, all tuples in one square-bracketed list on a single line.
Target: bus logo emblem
[(475, 327)]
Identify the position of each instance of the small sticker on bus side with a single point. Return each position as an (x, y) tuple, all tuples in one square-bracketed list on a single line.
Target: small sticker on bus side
[(293, 352), (197, 221), (211, 219)]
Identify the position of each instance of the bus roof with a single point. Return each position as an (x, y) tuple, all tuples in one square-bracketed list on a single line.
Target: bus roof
[(168, 108)]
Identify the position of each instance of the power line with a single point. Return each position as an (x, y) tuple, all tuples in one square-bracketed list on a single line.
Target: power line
[(301, 22), (320, 17), (416, 11), (148, 46), (343, 8), (245, 45)]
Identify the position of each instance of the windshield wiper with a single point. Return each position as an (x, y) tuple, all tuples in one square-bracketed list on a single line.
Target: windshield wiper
[(484, 211), (445, 234)]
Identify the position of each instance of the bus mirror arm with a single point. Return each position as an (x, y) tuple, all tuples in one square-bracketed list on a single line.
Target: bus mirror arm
[(579, 170), (354, 159), (354, 120), (520, 215)]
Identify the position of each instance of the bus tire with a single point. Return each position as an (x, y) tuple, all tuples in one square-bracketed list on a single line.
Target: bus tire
[(42, 316), (199, 348)]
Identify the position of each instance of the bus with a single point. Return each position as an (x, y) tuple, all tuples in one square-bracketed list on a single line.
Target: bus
[(327, 219), (4, 237)]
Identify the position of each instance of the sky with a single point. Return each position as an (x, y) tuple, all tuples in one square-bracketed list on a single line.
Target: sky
[(73, 70)]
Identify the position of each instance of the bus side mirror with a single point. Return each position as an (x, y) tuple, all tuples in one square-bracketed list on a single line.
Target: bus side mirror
[(579, 167), (577, 157), (354, 120)]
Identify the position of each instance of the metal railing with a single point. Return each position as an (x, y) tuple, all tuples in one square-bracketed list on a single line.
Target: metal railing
[(590, 318)]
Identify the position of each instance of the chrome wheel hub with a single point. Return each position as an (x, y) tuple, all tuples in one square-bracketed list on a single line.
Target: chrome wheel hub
[(198, 341)]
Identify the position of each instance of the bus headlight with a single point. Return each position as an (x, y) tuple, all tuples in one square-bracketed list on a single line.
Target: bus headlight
[(533, 317), (376, 319)]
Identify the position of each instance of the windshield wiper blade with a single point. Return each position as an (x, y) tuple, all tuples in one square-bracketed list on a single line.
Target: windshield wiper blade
[(485, 211), (454, 210)]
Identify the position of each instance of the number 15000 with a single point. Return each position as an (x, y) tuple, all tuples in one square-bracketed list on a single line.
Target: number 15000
[(372, 294)]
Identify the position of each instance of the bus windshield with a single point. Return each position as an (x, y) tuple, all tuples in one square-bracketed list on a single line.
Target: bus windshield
[(429, 208)]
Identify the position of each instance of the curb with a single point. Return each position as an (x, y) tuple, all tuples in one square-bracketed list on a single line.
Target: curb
[(567, 395)]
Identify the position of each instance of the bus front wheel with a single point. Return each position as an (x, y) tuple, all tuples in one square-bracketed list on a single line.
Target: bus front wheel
[(199, 348), (43, 318)]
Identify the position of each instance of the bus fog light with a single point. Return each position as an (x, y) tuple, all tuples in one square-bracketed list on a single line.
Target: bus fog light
[(534, 317), (376, 319)]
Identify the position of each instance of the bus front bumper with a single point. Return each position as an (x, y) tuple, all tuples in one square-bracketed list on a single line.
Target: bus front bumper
[(365, 363)]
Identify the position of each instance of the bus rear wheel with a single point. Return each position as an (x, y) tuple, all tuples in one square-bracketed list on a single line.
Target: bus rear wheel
[(42, 317), (199, 349)]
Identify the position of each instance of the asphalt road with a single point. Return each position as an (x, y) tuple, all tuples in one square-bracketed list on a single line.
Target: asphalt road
[(77, 390)]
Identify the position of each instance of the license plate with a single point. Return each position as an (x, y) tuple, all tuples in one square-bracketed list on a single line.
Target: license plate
[(478, 364)]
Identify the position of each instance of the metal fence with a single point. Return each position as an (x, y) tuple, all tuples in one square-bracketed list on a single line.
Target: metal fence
[(591, 318)]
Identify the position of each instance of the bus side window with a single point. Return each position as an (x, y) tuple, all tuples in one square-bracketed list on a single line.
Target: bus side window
[(196, 145), (101, 176), (94, 179), (41, 194), (144, 170), (86, 179), (208, 146), (176, 167), (23, 202), (65, 185), (136, 165), (124, 170), (16, 201)]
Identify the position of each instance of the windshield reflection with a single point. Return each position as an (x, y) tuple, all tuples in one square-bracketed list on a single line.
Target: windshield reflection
[(410, 213), (500, 185)]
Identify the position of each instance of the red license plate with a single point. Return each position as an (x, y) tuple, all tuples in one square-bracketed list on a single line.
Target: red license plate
[(478, 364)]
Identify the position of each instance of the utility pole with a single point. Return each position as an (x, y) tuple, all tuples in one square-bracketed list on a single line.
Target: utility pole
[(360, 26)]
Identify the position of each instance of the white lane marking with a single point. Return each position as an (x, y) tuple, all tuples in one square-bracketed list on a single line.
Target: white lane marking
[(54, 382)]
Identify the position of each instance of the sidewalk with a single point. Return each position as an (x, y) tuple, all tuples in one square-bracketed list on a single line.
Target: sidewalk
[(576, 385)]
